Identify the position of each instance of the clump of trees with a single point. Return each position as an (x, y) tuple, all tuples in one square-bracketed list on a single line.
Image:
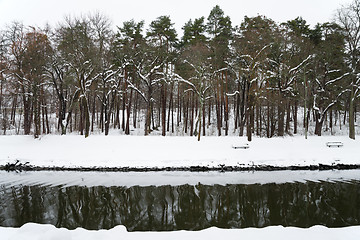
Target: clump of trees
[(250, 79)]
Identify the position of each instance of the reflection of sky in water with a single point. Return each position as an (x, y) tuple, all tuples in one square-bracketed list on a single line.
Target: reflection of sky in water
[(170, 178)]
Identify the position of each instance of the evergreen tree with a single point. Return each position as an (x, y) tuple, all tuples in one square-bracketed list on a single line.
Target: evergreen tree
[(194, 32), (330, 72), (128, 50), (162, 35), (220, 29)]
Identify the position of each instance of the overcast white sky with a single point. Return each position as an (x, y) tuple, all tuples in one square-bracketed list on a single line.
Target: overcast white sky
[(39, 12)]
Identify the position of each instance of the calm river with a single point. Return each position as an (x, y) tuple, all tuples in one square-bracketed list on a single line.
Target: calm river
[(180, 200)]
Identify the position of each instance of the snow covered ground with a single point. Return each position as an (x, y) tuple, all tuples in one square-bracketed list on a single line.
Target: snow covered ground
[(32, 231), (157, 151)]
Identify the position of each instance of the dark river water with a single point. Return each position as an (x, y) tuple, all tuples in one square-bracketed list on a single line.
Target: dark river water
[(191, 206)]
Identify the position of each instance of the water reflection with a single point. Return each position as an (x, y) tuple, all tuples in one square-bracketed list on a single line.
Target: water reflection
[(194, 207)]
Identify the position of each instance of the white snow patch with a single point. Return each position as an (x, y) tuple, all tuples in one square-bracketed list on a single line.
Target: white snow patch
[(31, 231)]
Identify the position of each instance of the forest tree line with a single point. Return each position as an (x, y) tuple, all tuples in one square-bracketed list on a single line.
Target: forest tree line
[(258, 74)]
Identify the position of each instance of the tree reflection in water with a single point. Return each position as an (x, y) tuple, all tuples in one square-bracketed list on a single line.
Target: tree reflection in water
[(183, 207)]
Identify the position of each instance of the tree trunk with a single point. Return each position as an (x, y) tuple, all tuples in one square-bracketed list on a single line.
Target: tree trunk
[(81, 120), (13, 110), (268, 120), (331, 121), (147, 119), (42, 108), (163, 109), (192, 115), (117, 117), (87, 117), (27, 115), (209, 112), (280, 119), (237, 109), (288, 117), (249, 113), (93, 113), (148, 111), (203, 116), (318, 124), (226, 114), (273, 121), (172, 117), (200, 119), (243, 108), (128, 110), (37, 122), (1, 91), (178, 115), (47, 121), (218, 114), (136, 103), (62, 115), (252, 118), (186, 112), (248, 125), (258, 117), (170, 107), (260, 120), (351, 115), (123, 110), (295, 116), (102, 112)]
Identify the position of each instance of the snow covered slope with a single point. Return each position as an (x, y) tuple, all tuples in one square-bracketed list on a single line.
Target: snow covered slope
[(157, 151)]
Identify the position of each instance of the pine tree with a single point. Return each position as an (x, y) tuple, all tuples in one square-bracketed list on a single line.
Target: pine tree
[(162, 35)]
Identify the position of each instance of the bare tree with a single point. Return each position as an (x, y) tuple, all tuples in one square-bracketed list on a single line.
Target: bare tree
[(348, 17), (80, 44)]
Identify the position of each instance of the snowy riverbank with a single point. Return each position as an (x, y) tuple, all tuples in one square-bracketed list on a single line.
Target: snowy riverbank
[(32, 231), (73, 151)]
